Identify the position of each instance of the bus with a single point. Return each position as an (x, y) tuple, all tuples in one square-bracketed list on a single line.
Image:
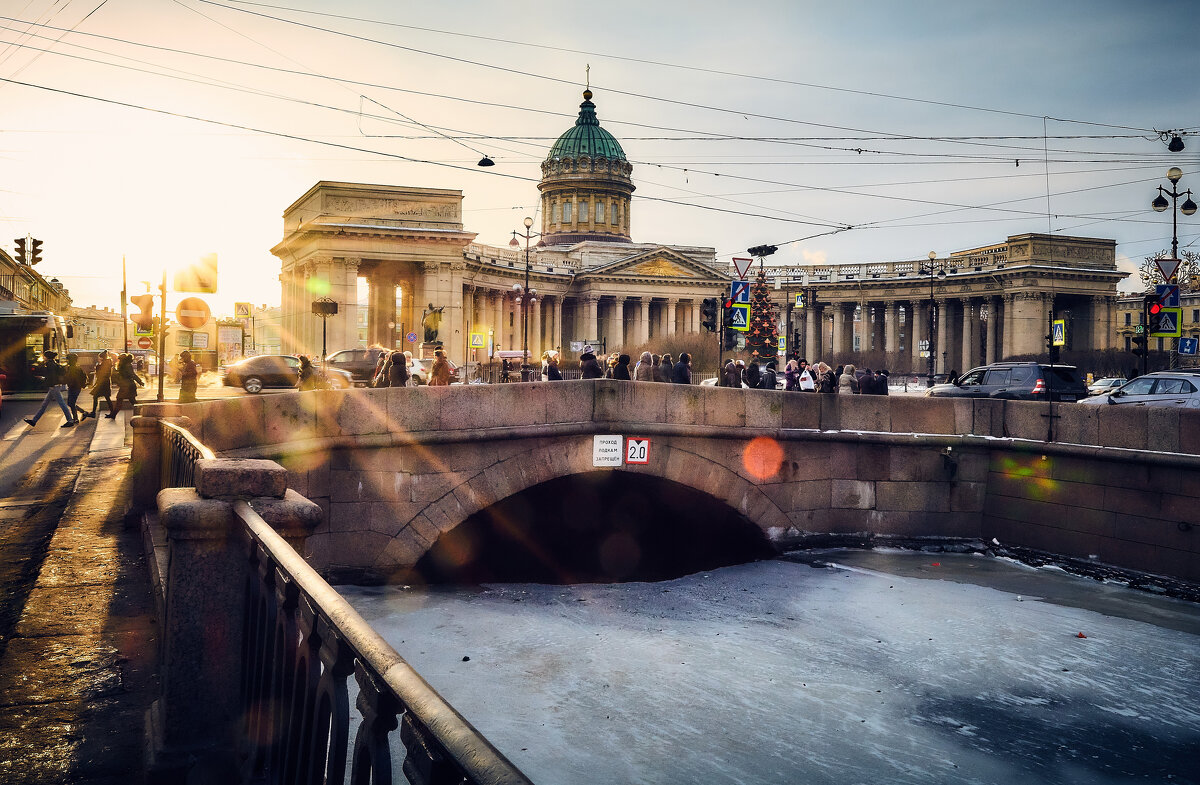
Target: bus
[(24, 339)]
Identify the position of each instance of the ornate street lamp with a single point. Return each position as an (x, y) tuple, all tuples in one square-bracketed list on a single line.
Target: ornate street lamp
[(1174, 174), (524, 296), (935, 272)]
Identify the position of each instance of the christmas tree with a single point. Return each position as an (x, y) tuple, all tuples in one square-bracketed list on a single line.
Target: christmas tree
[(763, 337)]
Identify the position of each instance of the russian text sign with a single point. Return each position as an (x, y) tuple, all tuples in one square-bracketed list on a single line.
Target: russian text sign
[(607, 450)]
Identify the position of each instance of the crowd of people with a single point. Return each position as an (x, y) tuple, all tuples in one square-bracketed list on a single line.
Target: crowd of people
[(70, 379), (649, 367)]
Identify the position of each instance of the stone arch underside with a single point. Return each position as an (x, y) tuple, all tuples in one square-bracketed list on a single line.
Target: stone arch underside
[(684, 476)]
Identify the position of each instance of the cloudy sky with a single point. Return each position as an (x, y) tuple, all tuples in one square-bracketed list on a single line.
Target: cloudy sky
[(158, 130)]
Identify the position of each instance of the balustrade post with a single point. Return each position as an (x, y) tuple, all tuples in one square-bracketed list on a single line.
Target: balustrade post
[(146, 456), (194, 721)]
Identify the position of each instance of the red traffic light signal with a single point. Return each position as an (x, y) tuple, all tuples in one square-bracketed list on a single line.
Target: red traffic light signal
[(1152, 304)]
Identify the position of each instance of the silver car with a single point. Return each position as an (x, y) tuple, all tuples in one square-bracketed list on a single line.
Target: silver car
[(1105, 385), (1175, 389)]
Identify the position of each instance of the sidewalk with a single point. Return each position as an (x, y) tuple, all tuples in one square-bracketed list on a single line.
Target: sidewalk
[(78, 673)]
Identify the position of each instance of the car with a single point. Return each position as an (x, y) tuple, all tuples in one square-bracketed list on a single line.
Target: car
[(1105, 385), (359, 363), (1018, 381), (254, 374), (420, 371), (1178, 389)]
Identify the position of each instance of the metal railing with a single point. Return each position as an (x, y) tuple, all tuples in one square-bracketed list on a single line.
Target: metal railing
[(180, 451), (302, 642)]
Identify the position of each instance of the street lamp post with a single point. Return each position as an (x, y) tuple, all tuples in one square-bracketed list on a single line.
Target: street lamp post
[(1174, 174), (939, 273), (525, 296)]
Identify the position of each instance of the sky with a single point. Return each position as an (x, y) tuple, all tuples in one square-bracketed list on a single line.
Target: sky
[(156, 131)]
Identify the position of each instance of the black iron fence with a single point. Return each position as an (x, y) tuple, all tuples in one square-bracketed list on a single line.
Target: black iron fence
[(180, 451)]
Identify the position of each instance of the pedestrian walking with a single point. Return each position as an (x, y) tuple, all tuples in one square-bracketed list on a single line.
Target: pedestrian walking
[(644, 370), (553, 374), (826, 380), (189, 376), (791, 375), (76, 380), (621, 369), (53, 373), (439, 373), (127, 384), (753, 373), (681, 372), (847, 382), (102, 381), (733, 376), (309, 378), (666, 369), (397, 370), (589, 366), (769, 380)]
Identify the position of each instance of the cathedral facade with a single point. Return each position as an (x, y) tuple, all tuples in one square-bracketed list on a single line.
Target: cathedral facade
[(587, 282)]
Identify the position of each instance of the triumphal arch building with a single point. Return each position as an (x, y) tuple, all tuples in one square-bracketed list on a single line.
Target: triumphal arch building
[(427, 277)]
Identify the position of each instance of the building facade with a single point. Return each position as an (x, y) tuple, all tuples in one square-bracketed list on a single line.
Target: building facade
[(430, 284), (95, 328)]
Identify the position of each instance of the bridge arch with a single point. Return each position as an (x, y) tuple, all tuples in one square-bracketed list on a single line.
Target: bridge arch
[(625, 522)]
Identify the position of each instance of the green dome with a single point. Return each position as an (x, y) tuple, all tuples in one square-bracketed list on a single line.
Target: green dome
[(587, 138)]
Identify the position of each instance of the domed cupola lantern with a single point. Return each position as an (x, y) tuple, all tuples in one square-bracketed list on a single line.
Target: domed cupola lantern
[(586, 188)]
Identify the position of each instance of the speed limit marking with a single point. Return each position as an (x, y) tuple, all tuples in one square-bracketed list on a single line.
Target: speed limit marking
[(637, 450)]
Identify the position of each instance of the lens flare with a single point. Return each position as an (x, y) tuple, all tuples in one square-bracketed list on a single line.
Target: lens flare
[(762, 458)]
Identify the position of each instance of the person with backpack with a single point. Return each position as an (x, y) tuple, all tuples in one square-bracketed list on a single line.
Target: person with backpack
[(53, 374)]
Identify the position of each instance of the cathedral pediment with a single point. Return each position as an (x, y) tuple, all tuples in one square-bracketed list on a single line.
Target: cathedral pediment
[(660, 263)]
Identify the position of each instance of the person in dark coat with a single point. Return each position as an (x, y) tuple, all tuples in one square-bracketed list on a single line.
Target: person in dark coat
[(621, 369), (553, 374), (881, 383), (380, 377), (189, 376), (102, 382), (52, 373), (826, 380), (309, 380), (753, 374), (866, 382), (397, 373), (733, 377), (127, 384), (681, 372), (75, 379), (589, 366), (768, 380), (666, 369)]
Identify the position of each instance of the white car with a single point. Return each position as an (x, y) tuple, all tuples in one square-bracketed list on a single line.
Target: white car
[(1105, 385), (1178, 389)]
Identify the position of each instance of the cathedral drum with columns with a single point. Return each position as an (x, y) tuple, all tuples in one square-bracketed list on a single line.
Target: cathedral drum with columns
[(595, 284)]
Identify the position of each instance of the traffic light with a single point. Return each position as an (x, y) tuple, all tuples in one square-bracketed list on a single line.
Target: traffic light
[(20, 243), (1152, 304), (708, 314), (727, 314), (762, 250), (1139, 346), (145, 319), (730, 342), (35, 252)]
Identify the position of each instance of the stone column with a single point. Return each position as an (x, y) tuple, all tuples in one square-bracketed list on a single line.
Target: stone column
[(891, 330), (381, 307), (616, 322), (643, 322), (591, 324), (496, 307), (198, 708), (993, 334), (557, 339), (1006, 327), (535, 327), (694, 316), (839, 328), (1101, 332), (1031, 322), (671, 306), (812, 341), (943, 338), (969, 341)]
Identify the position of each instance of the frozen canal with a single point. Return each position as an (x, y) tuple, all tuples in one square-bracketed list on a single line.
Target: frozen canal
[(883, 668)]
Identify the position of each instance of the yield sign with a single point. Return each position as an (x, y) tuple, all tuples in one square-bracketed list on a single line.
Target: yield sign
[(742, 265), (1167, 268)]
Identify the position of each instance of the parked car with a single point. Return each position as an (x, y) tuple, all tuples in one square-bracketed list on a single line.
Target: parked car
[(1020, 381), (359, 363), (420, 371), (1178, 389), (1105, 385), (254, 374)]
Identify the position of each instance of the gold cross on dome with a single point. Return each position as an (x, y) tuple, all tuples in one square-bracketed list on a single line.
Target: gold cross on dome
[(588, 77)]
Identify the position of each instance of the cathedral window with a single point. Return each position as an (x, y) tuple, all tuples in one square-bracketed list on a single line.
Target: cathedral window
[(613, 213), (557, 213), (583, 212), (599, 212), (566, 212)]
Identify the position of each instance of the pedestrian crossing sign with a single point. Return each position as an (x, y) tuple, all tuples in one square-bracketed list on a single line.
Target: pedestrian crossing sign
[(477, 341), (1166, 324), (241, 310), (1059, 333), (741, 317)]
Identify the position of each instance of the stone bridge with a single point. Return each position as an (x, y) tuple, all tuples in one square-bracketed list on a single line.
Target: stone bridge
[(414, 479)]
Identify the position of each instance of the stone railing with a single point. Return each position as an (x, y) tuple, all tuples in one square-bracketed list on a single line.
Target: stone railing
[(257, 649)]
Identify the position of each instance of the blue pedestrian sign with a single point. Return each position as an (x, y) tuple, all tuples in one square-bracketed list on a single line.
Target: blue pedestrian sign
[(741, 318), (739, 291), (1188, 345), (1168, 294)]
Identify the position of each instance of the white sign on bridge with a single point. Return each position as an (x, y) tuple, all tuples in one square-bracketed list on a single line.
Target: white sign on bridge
[(608, 450), (637, 450)]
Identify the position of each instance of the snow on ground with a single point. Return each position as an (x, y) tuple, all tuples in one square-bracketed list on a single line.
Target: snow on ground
[(897, 668)]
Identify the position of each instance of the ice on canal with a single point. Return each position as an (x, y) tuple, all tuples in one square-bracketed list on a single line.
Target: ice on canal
[(882, 667)]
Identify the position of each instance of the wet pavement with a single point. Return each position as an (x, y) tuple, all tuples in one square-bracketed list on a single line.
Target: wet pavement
[(77, 639)]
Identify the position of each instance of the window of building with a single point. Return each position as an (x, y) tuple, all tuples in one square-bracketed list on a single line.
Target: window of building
[(1196, 314), (566, 212), (599, 212), (558, 217), (1128, 318), (583, 212), (1128, 343)]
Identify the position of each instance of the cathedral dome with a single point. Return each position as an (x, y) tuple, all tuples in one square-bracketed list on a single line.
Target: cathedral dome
[(586, 137), (586, 186)]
